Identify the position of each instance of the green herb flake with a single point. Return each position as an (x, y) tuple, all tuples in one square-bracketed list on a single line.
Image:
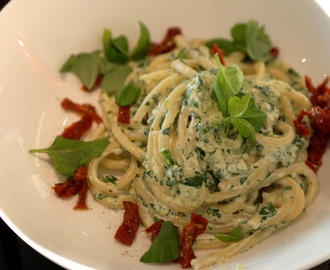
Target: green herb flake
[(195, 181), (109, 179), (167, 157), (268, 211)]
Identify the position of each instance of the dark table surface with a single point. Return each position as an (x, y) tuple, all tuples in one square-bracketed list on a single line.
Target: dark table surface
[(26, 258)]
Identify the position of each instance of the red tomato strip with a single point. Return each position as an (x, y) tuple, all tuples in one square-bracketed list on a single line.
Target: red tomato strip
[(167, 44), (84, 109), (124, 114), (154, 229), (131, 221), (275, 52), (76, 185), (220, 52), (81, 177), (76, 130), (320, 122), (319, 94), (188, 236)]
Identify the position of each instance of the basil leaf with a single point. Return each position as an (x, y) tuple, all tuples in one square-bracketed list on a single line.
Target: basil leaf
[(86, 66), (222, 98), (229, 82), (165, 247), (67, 66), (252, 39), (238, 33), (105, 66), (238, 105), (106, 42), (246, 108), (121, 45), (248, 37), (115, 49), (244, 128), (115, 77), (224, 44), (143, 45), (67, 155), (128, 94), (258, 44), (234, 236)]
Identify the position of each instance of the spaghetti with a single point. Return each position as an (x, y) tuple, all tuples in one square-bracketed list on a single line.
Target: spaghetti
[(177, 156)]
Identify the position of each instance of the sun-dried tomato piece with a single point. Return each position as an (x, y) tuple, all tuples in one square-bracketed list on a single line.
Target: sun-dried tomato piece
[(316, 150), (320, 120), (76, 130), (318, 93), (124, 114), (131, 221), (188, 235), (154, 229), (83, 109), (167, 44), (81, 177), (73, 186), (67, 188), (275, 51), (220, 52), (319, 115)]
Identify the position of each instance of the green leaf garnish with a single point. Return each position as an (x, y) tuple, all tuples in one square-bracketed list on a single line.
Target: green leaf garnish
[(106, 41), (128, 94), (229, 82), (241, 112), (115, 77), (234, 236), (113, 64), (226, 45), (143, 45), (115, 49), (244, 128), (67, 155), (165, 247), (252, 38), (86, 66), (245, 107), (245, 116), (247, 37)]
